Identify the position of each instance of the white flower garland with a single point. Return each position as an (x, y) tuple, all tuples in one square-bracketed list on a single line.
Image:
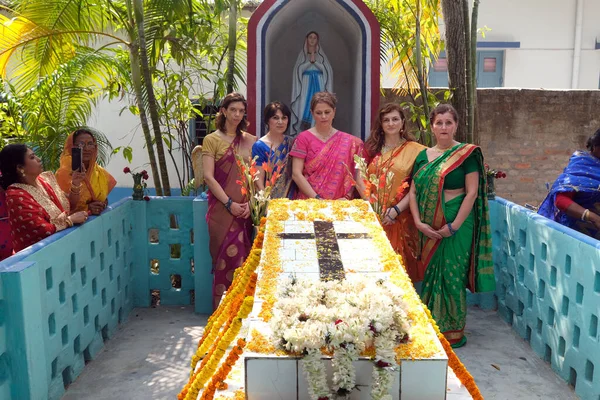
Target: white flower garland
[(344, 317)]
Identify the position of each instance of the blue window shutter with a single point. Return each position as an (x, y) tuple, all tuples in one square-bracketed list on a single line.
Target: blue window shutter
[(439, 77)]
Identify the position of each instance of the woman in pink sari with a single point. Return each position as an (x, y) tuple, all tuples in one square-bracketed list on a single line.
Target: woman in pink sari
[(229, 225), (324, 156)]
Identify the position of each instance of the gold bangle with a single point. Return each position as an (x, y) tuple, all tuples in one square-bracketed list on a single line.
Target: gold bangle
[(69, 222), (585, 214)]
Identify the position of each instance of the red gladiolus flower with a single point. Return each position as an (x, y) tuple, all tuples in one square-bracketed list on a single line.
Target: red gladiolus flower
[(244, 191), (146, 198), (144, 172), (126, 170), (339, 321), (145, 176)]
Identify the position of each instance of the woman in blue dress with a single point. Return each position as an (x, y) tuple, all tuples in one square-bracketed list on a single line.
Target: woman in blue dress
[(574, 199), (273, 148)]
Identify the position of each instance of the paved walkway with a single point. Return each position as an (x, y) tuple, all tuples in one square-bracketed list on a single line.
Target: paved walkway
[(149, 359)]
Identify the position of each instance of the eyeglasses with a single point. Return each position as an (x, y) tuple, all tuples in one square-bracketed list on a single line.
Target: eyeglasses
[(89, 145)]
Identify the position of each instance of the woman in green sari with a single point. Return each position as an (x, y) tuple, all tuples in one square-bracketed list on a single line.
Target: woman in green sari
[(449, 206)]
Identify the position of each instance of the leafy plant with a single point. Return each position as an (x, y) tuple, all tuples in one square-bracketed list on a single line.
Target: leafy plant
[(410, 42)]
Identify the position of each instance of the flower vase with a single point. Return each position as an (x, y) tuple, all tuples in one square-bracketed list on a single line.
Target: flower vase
[(491, 188), (138, 188)]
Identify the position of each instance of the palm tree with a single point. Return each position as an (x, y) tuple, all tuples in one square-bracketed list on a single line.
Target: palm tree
[(410, 41), (51, 33)]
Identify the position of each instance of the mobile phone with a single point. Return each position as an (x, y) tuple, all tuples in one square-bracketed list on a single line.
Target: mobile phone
[(76, 159)]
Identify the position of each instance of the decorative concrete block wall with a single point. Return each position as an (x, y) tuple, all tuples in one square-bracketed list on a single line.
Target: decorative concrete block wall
[(63, 297), (548, 288), (5, 381)]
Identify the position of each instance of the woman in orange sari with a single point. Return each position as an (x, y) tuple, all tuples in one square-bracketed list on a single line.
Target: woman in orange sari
[(229, 225), (92, 194), (391, 146)]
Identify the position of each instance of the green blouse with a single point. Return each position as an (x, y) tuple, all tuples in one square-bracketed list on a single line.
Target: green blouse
[(456, 178)]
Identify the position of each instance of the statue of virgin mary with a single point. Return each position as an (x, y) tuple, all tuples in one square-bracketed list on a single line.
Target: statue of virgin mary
[(312, 74)]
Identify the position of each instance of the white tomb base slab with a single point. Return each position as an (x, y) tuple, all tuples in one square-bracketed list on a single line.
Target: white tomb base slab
[(281, 377), (266, 373)]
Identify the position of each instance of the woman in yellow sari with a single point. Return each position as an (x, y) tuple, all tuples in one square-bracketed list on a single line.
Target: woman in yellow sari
[(92, 194), (391, 145)]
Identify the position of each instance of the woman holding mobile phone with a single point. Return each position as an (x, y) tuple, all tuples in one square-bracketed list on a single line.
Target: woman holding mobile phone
[(89, 185), (37, 207)]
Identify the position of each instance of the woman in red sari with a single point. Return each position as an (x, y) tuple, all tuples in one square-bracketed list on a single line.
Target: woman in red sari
[(323, 155), (37, 207), (229, 225)]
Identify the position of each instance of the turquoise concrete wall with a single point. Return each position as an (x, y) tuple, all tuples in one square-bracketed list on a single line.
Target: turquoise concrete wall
[(5, 379), (549, 290), (172, 220), (63, 297)]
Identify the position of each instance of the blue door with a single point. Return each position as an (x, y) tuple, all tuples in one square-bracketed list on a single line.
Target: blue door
[(490, 65)]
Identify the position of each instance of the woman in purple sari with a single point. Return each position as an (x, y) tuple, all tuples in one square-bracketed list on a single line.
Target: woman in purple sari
[(229, 225), (324, 156)]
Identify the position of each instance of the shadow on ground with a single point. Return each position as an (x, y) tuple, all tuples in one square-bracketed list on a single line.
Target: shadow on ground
[(149, 358), (504, 365)]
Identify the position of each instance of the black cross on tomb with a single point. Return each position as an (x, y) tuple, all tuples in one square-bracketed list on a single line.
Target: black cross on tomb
[(328, 250)]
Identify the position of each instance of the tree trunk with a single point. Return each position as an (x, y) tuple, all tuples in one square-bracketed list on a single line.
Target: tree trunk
[(473, 100), (231, 45), (136, 79), (152, 103), (419, 62), (456, 54), (468, 71)]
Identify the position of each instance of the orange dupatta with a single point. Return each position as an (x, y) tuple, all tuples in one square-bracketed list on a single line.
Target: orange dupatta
[(97, 183)]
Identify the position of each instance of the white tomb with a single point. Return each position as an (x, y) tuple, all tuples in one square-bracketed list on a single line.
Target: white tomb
[(290, 248)]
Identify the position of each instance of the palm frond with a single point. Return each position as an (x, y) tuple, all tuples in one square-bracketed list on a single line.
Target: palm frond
[(64, 100), (47, 34)]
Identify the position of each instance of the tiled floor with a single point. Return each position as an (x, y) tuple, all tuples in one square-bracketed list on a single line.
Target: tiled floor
[(149, 359)]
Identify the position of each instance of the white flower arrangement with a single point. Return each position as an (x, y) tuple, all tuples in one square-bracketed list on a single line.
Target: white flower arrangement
[(343, 317)]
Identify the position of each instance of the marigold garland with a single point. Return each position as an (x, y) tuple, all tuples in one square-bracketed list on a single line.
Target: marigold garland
[(461, 372), (240, 281), (220, 347), (421, 344), (225, 323), (260, 344), (219, 377)]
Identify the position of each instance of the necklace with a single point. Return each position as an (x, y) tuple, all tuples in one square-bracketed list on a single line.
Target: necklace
[(325, 137), (441, 150), (387, 148)]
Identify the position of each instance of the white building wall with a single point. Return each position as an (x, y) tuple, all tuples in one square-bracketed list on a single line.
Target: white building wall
[(546, 31)]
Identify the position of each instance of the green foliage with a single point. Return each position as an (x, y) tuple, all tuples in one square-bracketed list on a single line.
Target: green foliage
[(189, 189), (420, 118), (11, 115), (410, 43)]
